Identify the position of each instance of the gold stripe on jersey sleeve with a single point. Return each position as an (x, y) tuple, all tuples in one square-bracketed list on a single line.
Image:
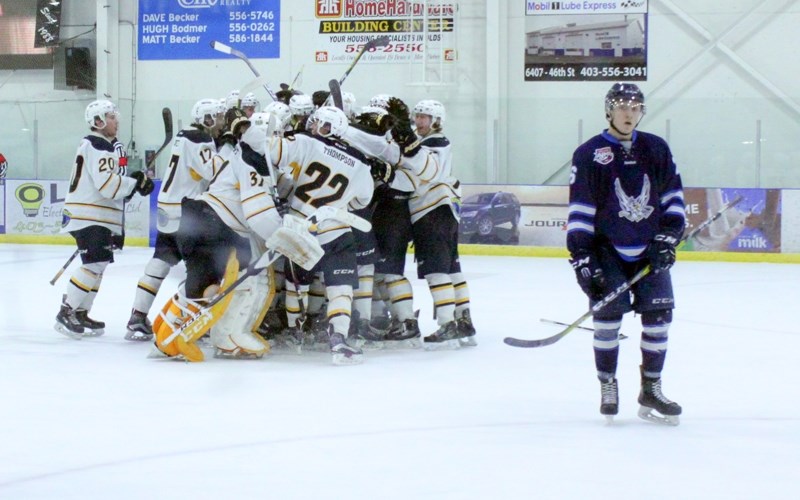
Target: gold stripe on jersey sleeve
[(256, 195), (222, 205), (248, 217)]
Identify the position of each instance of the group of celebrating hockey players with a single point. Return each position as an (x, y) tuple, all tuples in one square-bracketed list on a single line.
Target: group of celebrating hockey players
[(243, 184)]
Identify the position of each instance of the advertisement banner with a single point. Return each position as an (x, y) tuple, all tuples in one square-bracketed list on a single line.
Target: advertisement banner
[(514, 215), (585, 41), (34, 208), (48, 23), (184, 29), (417, 31), (753, 225)]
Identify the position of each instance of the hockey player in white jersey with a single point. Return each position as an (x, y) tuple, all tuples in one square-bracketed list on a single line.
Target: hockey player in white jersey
[(93, 214), (328, 172), (434, 217), (236, 207), (193, 163)]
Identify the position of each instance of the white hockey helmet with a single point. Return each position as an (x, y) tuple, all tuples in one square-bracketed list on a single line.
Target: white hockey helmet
[(380, 101), (432, 108), (331, 116), (301, 105), (250, 101), (98, 110), (373, 110), (349, 104), (206, 112), (232, 100), (281, 112)]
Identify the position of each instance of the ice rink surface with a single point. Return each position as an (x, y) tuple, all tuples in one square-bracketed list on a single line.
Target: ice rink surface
[(97, 419)]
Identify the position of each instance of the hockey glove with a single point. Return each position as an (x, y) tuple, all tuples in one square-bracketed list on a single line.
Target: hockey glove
[(661, 252), (398, 109), (404, 135), (117, 241), (381, 171), (235, 118), (374, 123), (590, 275), (284, 94), (144, 186)]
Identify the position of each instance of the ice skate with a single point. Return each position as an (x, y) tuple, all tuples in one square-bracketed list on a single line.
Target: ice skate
[(446, 337), (139, 327), (315, 330), (403, 335), (291, 339), (343, 353), (609, 399), (68, 324), (466, 330), (381, 323), (655, 407), (91, 328), (361, 335)]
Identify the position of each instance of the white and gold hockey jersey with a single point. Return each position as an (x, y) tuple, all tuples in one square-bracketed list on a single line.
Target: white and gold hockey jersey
[(431, 159), (325, 172), (96, 188), (193, 163), (240, 196)]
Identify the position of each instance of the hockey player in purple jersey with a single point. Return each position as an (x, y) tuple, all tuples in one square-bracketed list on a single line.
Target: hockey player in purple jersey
[(626, 211)]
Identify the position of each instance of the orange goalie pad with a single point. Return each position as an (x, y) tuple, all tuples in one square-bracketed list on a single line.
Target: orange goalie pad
[(179, 339)]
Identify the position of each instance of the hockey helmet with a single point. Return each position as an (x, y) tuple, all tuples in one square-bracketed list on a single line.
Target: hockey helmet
[(206, 111), (97, 110), (624, 93), (331, 116), (434, 109), (301, 105)]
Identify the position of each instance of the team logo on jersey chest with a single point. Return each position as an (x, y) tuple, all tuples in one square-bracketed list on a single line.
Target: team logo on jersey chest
[(634, 208), (603, 156)]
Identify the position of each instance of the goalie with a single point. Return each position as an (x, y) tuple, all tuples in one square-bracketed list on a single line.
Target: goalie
[(214, 239)]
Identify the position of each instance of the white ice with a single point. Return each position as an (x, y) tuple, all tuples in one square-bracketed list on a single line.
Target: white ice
[(97, 419)]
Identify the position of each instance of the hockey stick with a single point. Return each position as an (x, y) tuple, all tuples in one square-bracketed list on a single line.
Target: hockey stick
[(221, 47), (166, 115), (381, 41), (622, 336), (336, 94), (515, 342), (64, 267)]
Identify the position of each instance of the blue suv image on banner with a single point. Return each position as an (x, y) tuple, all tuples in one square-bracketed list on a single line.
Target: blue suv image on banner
[(481, 213)]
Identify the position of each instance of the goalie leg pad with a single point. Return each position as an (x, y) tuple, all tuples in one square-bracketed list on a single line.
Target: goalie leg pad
[(233, 334), (175, 313), (200, 323)]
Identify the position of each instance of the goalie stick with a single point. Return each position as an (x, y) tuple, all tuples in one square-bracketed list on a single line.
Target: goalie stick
[(166, 115), (221, 47), (515, 342)]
